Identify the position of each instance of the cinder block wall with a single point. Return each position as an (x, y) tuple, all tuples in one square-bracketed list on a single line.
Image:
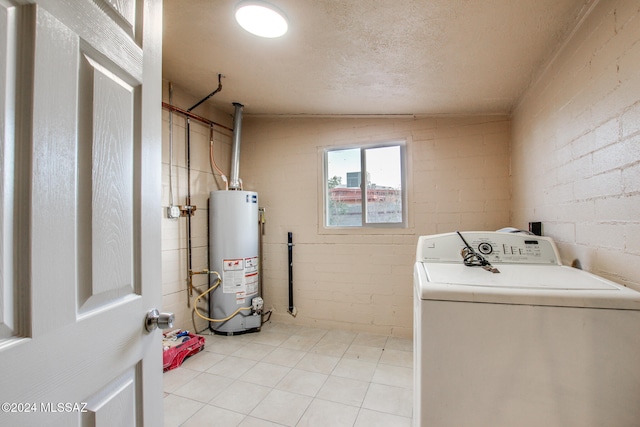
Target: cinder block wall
[(174, 231), (458, 179), (458, 176), (576, 146)]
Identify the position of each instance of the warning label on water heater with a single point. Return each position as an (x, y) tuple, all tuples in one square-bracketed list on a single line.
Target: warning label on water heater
[(240, 277)]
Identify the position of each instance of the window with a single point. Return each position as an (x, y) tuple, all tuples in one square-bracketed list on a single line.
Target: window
[(378, 172)]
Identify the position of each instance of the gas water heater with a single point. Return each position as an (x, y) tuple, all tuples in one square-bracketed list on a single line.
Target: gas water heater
[(235, 305), (233, 239)]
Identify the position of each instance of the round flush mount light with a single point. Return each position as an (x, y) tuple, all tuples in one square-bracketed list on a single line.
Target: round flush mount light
[(261, 18)]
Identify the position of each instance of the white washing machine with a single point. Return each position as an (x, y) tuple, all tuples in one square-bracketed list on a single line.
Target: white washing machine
[(535, 344)]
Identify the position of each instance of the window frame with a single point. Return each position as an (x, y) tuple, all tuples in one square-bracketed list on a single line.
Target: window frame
[(363, 147)]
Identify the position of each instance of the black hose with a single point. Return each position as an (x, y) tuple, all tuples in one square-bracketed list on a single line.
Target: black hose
[(290, 246)]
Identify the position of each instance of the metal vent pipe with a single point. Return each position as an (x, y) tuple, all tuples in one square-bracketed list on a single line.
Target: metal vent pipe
[(234, 183)]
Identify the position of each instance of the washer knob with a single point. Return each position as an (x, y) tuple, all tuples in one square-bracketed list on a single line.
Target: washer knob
[(485, 248)]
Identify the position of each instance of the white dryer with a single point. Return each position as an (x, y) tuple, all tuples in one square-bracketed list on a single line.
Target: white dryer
[(535, 344)]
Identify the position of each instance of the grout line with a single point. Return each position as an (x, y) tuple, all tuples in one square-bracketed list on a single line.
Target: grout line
[(303, 333)]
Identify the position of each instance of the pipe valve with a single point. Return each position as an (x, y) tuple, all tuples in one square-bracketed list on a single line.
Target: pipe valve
[(256, 306)]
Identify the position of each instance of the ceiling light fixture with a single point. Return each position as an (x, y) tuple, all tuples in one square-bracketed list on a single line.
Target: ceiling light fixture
[(262, 19)]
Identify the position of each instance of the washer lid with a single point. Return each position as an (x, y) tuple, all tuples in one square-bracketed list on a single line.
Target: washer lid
[(522, 284)]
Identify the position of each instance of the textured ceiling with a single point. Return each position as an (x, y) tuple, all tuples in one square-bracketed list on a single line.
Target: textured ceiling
[(368, 56)]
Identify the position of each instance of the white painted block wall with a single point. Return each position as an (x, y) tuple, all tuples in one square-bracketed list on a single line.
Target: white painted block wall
[(458, 173), (572, 161), (362, 280), (576, 146), (174, 231)]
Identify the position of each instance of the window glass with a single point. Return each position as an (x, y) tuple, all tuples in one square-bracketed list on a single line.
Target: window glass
[(384, 185), (375, 170), (344, 207)]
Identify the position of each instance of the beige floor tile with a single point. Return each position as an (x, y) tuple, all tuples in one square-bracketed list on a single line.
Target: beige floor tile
[(318, 363), (232, 367), (270, 337), (284, 357), (389, 399), (222, 345), (302, 382), (254, 351), (176, 378), (300, 342), (315, 333), (257, 422), (282, 407), (398, 376), (241, 397), (369, 418), (211, 416), (397, 357), (355, 369), (395, 343), (343, 390), (178, 409), (330, 348), (346, 337), (288, 375), (371, 340), (322, 413), (204, 387), (203, 361), (363, 352), (265, 374)]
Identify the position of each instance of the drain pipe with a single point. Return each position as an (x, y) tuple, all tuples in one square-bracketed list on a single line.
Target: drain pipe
[(292, 310), (218, 89), (189, 212), (234, 182)]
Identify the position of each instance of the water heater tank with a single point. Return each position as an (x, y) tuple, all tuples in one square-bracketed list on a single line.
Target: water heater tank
[(233, 252)]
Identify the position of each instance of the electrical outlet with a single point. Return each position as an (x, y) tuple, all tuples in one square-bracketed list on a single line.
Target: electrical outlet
[(173, 212)]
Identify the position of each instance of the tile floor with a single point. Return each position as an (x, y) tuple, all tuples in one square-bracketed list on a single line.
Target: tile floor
[(288, 375)]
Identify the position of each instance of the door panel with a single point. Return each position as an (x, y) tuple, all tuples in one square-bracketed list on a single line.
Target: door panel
[(124, 12), (112, 182), (7, 155), (52, 171), (106, 186), (80, 212), (115, 404)]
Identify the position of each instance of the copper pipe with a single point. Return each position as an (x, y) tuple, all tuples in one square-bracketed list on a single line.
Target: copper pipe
[(194, 116)]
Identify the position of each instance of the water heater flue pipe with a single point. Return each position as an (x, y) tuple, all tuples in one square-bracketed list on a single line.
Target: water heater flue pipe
[(234, 183)]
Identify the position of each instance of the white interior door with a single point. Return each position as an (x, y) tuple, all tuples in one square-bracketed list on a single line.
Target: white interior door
[(80, 143)]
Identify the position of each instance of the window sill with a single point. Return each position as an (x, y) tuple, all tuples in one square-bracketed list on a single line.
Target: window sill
[(356, 231)]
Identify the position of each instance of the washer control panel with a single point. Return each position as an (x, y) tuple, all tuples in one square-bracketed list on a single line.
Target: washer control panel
[(495, 247)]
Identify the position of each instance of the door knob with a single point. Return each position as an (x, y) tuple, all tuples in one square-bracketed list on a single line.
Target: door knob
[(155, 319)]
